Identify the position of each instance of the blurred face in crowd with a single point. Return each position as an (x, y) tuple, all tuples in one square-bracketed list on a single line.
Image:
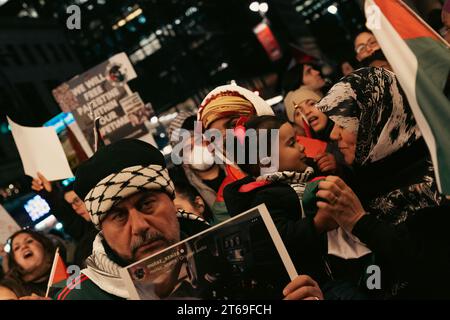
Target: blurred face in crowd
[(141, 224), (446, 22), (77, 204), (316, 119), (312, 78), (198, 157), (223, 124), (29, 254), (184, 203), (291, 153), (346, 141), (346, 68), (365, 45)]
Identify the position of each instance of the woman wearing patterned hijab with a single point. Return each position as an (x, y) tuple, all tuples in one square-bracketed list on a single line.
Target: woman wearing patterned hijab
[(394, 179), (389, 148)]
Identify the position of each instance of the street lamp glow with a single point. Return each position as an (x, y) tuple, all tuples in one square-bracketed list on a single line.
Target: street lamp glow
[(332, 9), (254, 6), (263, 7)]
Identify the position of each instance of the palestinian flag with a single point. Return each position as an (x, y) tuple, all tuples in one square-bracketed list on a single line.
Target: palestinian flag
[(420, 59), (58, 275)]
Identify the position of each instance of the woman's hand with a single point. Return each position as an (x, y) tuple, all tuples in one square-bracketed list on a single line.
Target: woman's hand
[(302, 288), (340, 201), (324, 221)]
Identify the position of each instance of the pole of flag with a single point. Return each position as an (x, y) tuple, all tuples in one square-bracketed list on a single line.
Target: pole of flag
[(52, 273)]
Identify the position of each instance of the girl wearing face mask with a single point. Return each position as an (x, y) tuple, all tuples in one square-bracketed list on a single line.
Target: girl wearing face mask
[(200, 169), (29, 261)]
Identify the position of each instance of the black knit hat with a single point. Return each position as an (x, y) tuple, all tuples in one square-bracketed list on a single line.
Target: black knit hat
[(118, 170)]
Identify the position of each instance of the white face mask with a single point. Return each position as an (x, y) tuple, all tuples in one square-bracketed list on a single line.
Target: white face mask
[(200, 158)]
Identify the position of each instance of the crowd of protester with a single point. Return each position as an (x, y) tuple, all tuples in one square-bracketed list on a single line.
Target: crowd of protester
[(369, 197)]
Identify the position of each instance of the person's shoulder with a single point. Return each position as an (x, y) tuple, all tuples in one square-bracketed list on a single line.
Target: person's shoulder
[(233, 187), (82, 288), (191, 224), (6, 293)]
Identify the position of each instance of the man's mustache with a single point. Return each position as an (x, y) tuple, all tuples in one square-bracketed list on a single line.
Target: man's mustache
[(144, 239)]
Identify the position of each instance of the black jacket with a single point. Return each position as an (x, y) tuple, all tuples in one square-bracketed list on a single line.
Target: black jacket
[(415, 253), (305, 246), (82, 231)]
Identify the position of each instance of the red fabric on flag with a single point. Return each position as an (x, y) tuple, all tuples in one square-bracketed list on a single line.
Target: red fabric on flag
[(60, 271), (407, 25), (313, 147)]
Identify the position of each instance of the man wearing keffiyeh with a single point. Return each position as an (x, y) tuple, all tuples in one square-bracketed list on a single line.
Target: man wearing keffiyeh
[(128, 194)]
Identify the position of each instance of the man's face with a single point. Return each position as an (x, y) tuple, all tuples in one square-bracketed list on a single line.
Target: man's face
[(365, 45), (346, 141), (141, 224), (316, 119), (312, 78), (77, 204)]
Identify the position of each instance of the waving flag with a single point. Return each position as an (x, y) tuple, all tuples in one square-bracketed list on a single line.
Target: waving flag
[(420, 59), (57, 275)]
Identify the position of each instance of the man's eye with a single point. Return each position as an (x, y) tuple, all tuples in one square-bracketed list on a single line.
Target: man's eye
[(120, 216), (146, 205)]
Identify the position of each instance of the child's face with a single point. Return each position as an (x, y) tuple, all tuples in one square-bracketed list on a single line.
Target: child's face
[(291, 153), (316, 119)]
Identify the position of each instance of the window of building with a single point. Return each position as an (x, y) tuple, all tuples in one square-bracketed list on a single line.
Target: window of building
[(65, 50), (28, 53), (14, 55), (42, 53), (54, 52)]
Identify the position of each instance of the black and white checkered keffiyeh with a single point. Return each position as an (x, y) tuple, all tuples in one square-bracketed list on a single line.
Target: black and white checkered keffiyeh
[(118, 186), (297, 180)]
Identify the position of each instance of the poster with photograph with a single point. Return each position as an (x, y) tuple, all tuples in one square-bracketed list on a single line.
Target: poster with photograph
[(241, 258), (97, 94)]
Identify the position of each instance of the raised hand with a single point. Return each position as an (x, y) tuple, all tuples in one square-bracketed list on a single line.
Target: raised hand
[(40, 183)]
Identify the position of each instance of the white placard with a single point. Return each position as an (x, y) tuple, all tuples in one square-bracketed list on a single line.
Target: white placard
[(41, 150)]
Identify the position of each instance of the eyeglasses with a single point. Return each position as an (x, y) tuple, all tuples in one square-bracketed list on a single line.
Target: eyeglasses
[(372, 43), (76, 202)]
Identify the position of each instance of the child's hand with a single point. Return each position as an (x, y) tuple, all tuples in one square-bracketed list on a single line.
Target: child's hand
[(326, 162)]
